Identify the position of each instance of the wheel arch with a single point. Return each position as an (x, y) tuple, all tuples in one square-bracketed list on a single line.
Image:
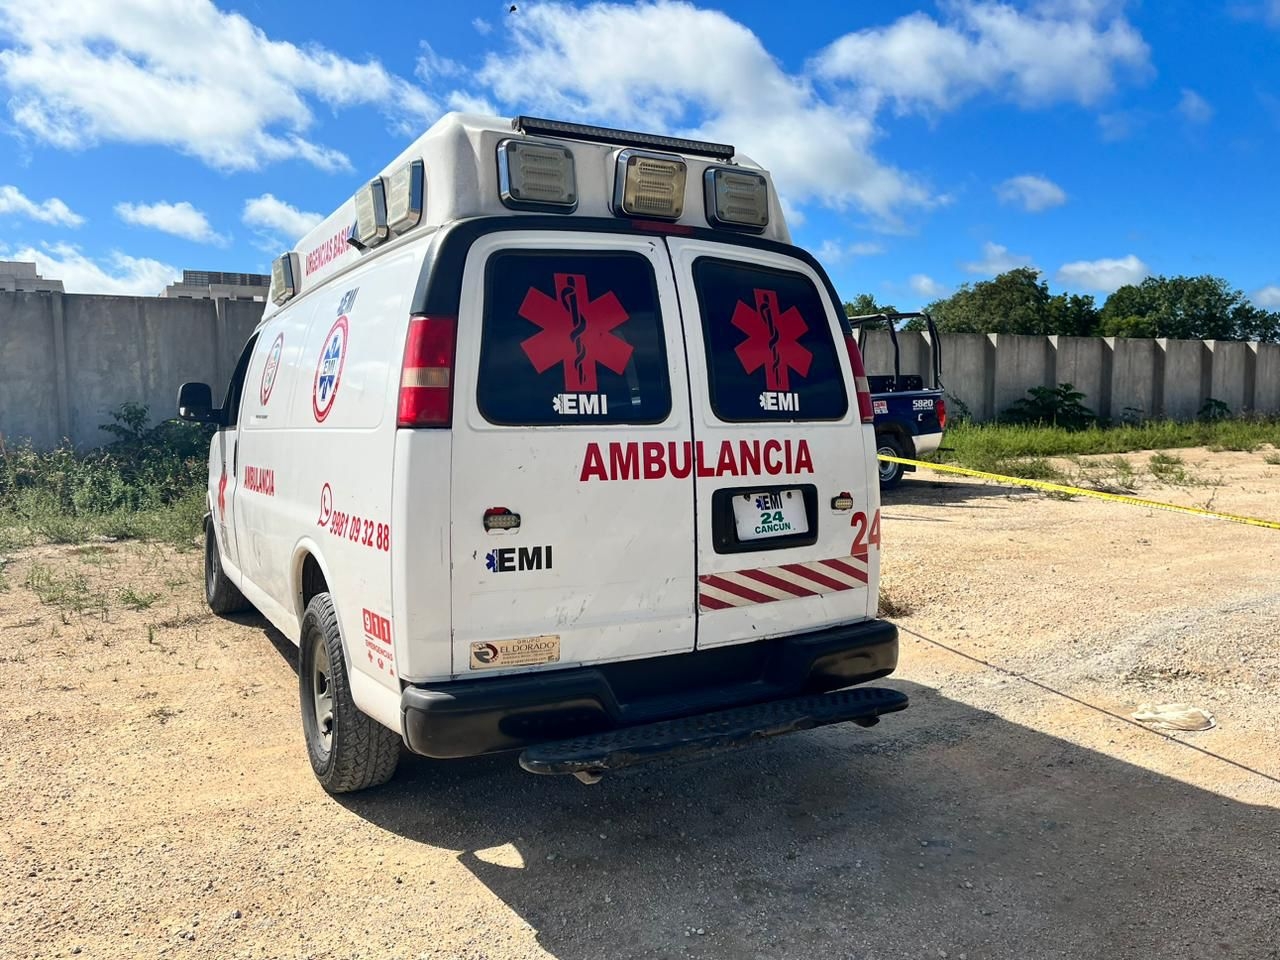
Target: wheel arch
[(900, 432), (309, 575)]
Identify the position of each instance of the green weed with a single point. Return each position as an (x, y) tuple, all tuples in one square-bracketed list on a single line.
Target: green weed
[(984, 446), (1168, 468), (1113, 475), (148, 484), (68, 592), (1272, 458), (137, 601)]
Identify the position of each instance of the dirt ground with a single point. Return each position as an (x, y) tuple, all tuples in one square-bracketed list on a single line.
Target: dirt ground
[(155, 798)]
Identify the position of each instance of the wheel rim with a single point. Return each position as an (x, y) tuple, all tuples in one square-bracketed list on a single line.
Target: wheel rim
[(887, 470), (322, 694)]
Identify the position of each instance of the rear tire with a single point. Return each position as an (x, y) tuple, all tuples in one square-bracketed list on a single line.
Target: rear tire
[(220, 593), (890, 473), (348, 750)]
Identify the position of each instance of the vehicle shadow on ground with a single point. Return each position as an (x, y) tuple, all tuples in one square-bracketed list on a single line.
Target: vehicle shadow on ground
[(945, 831), (926, 490)]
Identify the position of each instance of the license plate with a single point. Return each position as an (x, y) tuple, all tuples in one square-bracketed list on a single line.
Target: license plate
[(758, 516)]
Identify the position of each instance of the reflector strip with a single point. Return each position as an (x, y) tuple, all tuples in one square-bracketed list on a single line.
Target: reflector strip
[(741, 588)]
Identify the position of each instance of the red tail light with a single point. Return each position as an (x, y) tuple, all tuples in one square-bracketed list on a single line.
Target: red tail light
[(940, 408), (426, 379), (860, 379)]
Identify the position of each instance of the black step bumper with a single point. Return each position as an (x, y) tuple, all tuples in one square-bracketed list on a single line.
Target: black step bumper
[(710, 732), (463, 718)]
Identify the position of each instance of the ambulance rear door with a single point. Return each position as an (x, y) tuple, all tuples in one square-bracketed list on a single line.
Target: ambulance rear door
[(787, 510), (572, 497)]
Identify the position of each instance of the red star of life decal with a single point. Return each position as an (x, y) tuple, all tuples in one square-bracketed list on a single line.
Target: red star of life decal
[(772, 340), (576, 331)]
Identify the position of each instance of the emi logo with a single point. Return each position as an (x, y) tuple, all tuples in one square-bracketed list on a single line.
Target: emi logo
[(514, 559)]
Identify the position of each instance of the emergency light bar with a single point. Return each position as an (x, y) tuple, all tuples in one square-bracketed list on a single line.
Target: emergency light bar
[(537, 176), (406, 196), (535, 126), (649, 185), (371, 213), (738, 199), (284, 272)]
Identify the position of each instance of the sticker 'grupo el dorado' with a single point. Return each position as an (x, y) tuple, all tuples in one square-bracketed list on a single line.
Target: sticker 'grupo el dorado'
[(653, 461)]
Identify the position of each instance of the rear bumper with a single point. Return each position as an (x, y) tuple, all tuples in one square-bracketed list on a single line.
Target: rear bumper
[(465, 718), (927, 443)]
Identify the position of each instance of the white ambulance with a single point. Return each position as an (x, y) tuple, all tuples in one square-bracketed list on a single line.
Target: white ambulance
[(549, 440)]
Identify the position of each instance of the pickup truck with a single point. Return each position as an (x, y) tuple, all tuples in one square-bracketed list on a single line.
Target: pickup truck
[(909, 415)]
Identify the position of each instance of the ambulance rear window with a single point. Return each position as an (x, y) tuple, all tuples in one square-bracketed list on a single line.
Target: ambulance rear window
[(572, 338), (770, 353)]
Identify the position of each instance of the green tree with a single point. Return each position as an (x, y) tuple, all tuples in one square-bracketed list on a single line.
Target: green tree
[(1186, 308), (865, 304), (1016, 301)]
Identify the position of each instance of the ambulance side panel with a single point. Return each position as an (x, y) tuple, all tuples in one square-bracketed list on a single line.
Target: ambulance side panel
[(328, 455), (264, 518)]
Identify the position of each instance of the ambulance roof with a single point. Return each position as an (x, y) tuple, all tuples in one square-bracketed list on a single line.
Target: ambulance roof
[(459, 154)]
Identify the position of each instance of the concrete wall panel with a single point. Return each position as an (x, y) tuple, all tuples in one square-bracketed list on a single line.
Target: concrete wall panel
[(1233, 373), (1266, 378), (1135, 380), (1187, 365), (968, 366), (1020, 364), (1084, 362), (29, 368)]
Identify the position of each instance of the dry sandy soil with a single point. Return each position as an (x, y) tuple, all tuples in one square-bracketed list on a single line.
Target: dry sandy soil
[(155, 798)]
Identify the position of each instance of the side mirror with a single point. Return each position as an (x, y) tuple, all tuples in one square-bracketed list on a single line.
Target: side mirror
[(195, 403)]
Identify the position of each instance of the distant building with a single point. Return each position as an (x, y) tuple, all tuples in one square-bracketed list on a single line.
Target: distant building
[(19, 277), (212, 285)]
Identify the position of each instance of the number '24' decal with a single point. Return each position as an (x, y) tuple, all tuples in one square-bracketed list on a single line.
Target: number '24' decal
[(862, 535)]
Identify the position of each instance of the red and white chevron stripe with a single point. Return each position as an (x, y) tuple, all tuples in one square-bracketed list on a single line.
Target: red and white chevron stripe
[(720, 591)]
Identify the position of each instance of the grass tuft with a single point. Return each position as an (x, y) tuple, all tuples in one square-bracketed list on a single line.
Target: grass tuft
[(991, 446), (147, 485), (891, 606)]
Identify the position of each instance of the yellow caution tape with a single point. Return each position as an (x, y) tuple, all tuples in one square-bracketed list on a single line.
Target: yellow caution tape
[(1077, 492)]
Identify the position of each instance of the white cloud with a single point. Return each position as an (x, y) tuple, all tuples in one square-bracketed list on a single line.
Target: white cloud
[(834, 251), (1195, 108), (1105, 275), (468, 103), (120, 274), (482, 26), (1269, 296), (647, 68), (53, 210), (814, 128), (431, 64), (996, 259), (180, 219), (184, 75), (279, 223), (1051, 52), (925, 286), (1031, 192)]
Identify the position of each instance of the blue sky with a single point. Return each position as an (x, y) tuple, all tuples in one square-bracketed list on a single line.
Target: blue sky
[(916, 146)]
